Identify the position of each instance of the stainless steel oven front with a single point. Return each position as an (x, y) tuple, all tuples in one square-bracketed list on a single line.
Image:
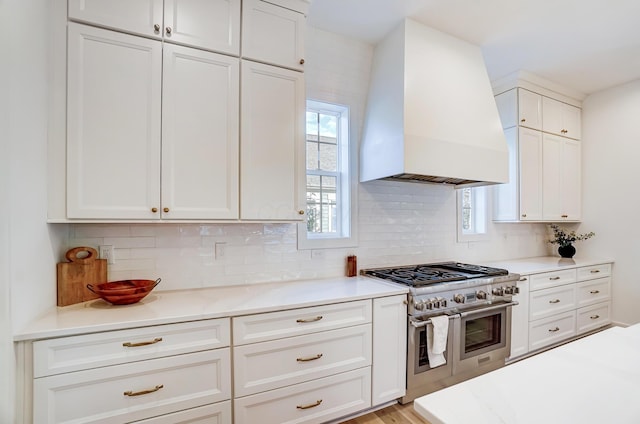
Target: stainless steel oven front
[(421, 377), (482, 338)]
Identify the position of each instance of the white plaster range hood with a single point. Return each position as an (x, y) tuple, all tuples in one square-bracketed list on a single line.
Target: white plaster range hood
[(431, 115)]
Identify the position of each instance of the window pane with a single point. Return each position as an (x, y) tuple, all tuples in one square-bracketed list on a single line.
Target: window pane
[(312, 123), (312, 155), (328, 157), (328, 125)]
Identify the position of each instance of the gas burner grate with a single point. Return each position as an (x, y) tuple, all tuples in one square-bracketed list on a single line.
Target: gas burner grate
[(421, 275)]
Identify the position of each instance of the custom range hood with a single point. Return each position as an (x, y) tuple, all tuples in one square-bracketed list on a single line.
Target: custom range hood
[(431, 116)]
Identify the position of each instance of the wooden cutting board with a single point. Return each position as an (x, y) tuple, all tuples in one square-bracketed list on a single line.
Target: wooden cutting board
[(83, 268)]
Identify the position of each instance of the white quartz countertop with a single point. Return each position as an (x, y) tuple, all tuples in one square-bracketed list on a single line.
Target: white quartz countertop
[(595, 379), (163, 307), (544, 264)]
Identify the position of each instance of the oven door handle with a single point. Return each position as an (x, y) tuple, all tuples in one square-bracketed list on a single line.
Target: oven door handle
[(489, 308), (419, 324)]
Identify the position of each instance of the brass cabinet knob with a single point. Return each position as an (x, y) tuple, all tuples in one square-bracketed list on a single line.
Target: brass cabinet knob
[(154, 210), (168, 30), (156, 27), (564, 216), (302, 61), (165, 210), (523, 120), (300, 212), (524, 215)]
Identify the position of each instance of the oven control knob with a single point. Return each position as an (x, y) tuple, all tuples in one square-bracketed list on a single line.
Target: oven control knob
[(498, 291), (429, 305), (458, 298), (419, 305), (516, 289), (443, 302), (481, 295), (508, 290)]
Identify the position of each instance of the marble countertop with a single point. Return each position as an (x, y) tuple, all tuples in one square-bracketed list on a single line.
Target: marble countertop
[(164, 307), (541, 264), (595, 379)]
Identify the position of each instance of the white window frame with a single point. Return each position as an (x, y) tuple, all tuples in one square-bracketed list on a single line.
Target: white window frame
[(479, 215), (348, 186)]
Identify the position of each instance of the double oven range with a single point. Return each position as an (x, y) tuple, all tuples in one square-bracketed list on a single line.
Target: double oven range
[(476, 299)]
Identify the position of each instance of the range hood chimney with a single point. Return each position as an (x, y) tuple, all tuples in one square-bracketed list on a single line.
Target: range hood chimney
[(431, 116)]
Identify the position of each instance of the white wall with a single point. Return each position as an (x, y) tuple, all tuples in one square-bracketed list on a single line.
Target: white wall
[(611, 153), (27, 274), (399, 223)]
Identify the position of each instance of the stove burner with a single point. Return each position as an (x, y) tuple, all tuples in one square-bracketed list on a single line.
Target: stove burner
[(420, 275)]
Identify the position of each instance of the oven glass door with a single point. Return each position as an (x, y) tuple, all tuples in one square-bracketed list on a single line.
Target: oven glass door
[(483, 332)]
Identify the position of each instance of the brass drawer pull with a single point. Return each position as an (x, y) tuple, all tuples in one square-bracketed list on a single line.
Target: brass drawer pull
[(143, 392), (553, 330), (554, 301), (554, 278), (594, 271), (594, 316), (311, 405), (303, 320), (564, 216), (154, 341), (311, 358), (594, 291), (523, 279)]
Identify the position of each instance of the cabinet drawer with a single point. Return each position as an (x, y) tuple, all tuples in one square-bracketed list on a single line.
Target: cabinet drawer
[(594, 316), (65, 354), (269, 365), (551, 330), (295, 322), (316, 401), (218, 413), (593, 291), (102, 394), (552, 279), (595, 271), (544, 303)]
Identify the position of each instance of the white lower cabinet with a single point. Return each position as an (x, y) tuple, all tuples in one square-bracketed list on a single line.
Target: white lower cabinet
[(389, 370), (567, 303), (134, 375), (520, 319), (315, 401), (218, 413)]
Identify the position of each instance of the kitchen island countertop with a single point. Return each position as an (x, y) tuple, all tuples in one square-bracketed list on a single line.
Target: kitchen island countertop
[(591, 380), (165, 307)]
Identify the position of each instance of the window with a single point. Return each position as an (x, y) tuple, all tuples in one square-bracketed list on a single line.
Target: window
[(329, 191), (472, 214)]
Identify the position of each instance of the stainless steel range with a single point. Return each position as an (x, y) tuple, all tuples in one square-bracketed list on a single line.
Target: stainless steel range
[(476, 299)]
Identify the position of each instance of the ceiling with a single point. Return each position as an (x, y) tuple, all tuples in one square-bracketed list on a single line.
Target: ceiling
[(583, 45)]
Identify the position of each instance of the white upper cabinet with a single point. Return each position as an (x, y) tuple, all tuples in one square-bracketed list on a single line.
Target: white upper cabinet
[(274, 34), (561, 179), (200, 140), (561, 118), (208, 24), (529, 109), (544, 159), (113, 121), (114, 143), (272, 141)]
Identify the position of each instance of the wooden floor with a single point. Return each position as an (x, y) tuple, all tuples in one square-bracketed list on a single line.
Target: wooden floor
[(394, 414)]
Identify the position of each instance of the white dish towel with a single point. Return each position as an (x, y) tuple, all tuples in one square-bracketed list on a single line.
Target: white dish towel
[(437, 333)]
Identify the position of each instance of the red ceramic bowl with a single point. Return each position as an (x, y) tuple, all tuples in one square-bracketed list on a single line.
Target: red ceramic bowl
[(123, 292)]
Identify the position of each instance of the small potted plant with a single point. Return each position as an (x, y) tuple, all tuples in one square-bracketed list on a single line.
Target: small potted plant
[(565, 239)]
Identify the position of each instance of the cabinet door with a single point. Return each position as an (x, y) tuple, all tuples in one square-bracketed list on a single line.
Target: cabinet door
[(520, 320), (560, 118), (272, 34), (562, 184), (136, 16), (113, 124), (218, 413), (200, 140), (530, 161), (571, 161), (209, 24), (272, 137), (529, 109), (389, 370)]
